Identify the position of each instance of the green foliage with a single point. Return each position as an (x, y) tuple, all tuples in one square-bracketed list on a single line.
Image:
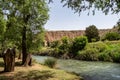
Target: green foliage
[(55, 44), (35, 41), (79, 43), (65, 46), (102, 51), (100, 46), (112, 36), (114, 52), (105, 6), (2, 25), (92, 33), (28, 14), (50, 62), (105, 56), (88, 54)]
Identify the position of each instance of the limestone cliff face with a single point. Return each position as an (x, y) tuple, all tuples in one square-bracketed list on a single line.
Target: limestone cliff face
[(57, 35)]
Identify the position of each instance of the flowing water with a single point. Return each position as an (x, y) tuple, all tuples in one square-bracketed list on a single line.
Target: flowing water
[(87, 69)]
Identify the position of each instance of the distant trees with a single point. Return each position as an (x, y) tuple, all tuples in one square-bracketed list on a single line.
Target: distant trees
[(111, 36), (92, 33)]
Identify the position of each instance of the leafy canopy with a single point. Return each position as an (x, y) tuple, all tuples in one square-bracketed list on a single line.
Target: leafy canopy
[(23, 13), (92, 5), (92, 33)]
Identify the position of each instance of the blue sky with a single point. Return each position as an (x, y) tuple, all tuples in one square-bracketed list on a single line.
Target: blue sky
[(63, 18)]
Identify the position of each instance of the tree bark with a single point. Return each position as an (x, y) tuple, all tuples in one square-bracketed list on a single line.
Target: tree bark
[(26, 58), (9, 60)]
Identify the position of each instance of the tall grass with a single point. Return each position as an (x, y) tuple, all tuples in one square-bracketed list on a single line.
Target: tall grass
[(50, 62)]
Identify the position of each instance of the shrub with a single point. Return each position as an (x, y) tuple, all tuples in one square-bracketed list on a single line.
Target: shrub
[(56, 52), (44, 52), (100, 46), (50, 62), (55, 44), (116, 57), (79, 43), (104, 57), (110, 55), (65, 46), (115, 54), (88, 54), (112, 36), (92, 33)]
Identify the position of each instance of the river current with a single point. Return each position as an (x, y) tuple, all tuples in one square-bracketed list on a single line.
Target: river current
[(89, 70)]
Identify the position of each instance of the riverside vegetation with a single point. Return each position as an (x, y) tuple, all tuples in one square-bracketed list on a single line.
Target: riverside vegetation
[(80, 49), (90, 47)]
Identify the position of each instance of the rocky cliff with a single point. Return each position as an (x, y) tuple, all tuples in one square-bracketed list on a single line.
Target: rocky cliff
[(57, 35)]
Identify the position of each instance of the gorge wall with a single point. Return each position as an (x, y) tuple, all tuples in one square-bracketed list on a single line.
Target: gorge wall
[(57, 35)]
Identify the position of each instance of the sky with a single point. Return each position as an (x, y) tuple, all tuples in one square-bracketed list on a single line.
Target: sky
[(63, 18)]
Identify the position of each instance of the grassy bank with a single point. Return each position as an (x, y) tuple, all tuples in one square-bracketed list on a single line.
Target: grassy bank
[(95, 51), (36, 72)]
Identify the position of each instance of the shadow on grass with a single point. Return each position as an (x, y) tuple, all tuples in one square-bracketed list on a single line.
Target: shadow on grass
[(5, 78), (18, 63), (31, 75), (26, 75), (34, 75)]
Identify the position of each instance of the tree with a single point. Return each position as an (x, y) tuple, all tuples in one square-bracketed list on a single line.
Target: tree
[(92, 33), (111, 36), (29, 16)]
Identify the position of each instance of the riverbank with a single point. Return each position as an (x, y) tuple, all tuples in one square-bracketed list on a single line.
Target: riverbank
[(89, 70), (107, 51), (36, 72)]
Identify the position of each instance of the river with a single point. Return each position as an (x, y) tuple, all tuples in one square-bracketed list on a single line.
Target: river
[(87, 69)]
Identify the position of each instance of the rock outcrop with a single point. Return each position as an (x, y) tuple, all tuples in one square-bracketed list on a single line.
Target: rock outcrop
[(57, 35)]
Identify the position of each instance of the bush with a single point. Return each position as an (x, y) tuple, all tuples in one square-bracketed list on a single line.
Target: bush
[(50, 62), (55, 44), (112, 36), (100, 46), (110, 55), (88, 54), (92, 33), (56, 52), (65, 46), (79, 43), (116, 57), (115, 54), (104, 57)]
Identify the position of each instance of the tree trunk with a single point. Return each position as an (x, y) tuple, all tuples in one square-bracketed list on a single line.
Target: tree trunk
[(26, 58), (9, 60)]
